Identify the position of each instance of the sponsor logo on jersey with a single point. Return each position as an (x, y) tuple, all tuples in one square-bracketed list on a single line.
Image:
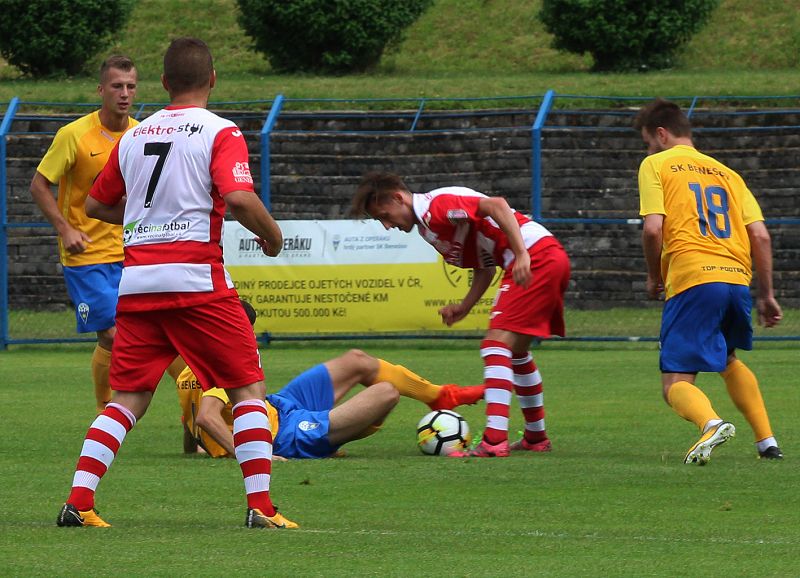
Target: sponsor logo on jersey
[(454, 215), (158, 130), (308, 425), (237, 133), (91, 154), (241, 173), (138, 231), (127, 231), (83, 311)]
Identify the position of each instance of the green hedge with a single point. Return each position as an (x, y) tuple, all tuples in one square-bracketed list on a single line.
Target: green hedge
[(326, 36), (46, 37), (625, 34)]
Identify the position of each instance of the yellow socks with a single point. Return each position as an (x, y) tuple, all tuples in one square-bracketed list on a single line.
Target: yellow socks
[(691, 404), (101, 361), (744, 391), (407, 382)]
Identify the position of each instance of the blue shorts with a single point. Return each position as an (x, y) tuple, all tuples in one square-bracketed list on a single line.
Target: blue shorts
[(304, 406), (93, 290), (701, 326)]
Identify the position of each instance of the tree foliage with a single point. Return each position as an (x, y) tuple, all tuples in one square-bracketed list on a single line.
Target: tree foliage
[(327, 36), (625, 34), (46, 37)]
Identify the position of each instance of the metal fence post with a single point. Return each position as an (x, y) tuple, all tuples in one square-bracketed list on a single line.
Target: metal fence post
[(5, 127), (266, 132), (536, 154)]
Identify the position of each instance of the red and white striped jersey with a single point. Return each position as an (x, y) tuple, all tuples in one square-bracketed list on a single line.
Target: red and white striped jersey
[(175, 168), (448, 220)]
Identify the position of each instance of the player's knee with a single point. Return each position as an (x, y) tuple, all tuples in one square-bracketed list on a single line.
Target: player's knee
[(388, 393), (361, 361)]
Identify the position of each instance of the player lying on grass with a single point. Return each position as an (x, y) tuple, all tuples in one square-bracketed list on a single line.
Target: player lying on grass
[(305, 418)]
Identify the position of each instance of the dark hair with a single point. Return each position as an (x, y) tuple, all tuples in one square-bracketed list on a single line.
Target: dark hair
[(118, 61), (187, 65), (665, 114), (375, 187), (249, 311)]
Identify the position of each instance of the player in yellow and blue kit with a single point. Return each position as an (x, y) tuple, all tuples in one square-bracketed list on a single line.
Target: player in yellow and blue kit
[(90, 250), (304, 417), (701, 226)]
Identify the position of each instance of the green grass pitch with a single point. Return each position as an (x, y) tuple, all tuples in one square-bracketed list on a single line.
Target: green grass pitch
[(612, 499)]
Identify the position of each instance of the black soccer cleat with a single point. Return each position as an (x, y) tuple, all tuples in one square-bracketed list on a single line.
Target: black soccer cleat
[(70, 516), (771, 453)]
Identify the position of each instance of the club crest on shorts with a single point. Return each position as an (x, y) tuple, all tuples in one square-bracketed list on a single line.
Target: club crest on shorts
[(308, 425), (83, 311)]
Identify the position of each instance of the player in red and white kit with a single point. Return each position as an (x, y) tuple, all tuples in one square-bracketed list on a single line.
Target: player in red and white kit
[(169, 183), (472, 230)]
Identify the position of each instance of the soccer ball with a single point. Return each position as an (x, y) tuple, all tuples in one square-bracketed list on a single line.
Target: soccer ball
[(441, 432)]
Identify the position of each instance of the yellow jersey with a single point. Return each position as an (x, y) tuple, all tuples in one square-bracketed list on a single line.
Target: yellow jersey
[(76, 156), (706, 208), (190, 392)]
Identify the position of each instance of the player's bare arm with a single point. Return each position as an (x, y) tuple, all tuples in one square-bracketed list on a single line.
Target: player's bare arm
[(498, 209), (652, 235), (481, 281), (74, 241), (769, 312), (113, 214), (247, 208), (209, 417)]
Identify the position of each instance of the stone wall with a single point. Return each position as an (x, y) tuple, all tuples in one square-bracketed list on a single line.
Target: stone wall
[(589, 165)]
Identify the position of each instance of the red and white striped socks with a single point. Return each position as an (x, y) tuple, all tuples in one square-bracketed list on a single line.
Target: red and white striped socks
[(252, 442), (100, 447), (528, 387), (498, 378)]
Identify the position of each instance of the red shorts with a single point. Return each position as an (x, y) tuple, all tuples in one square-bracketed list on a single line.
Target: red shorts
[(537, 310), (215, 339)]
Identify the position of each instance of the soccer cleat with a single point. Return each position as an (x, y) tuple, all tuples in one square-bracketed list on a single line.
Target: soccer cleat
[(71, 516), (484, 450), (255, 519), (771, 453), (700, 452), (451, 396), (523, 444)]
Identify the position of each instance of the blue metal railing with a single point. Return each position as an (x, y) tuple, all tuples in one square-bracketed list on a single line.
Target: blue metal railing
[(411, 119), (5, 126), (266, 132)]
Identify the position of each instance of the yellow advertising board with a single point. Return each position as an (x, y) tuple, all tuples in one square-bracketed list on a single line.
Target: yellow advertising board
[(348, 277)]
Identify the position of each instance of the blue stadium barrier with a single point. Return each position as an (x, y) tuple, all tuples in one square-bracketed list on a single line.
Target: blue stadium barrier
[(419, 109), (5, 127)]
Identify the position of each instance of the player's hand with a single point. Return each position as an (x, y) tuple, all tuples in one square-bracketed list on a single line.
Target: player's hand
[(769, 312), (266, 248), (276, 458), (522, 270), (453, 313), (655, 287), (75, 241)]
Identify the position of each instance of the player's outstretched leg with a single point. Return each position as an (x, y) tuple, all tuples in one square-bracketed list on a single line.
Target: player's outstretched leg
[(700, 453), (451, 396)]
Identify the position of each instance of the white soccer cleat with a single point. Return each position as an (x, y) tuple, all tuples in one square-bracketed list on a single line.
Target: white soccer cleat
[(700, 453)]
